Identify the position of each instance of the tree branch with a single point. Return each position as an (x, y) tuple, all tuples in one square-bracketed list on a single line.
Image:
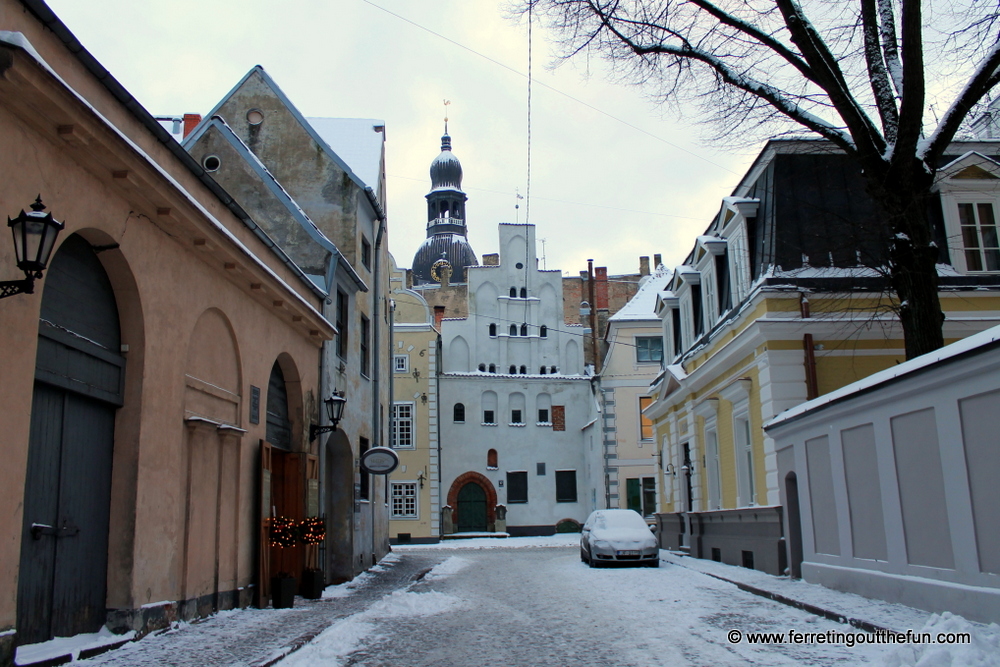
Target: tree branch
[(877, 74)]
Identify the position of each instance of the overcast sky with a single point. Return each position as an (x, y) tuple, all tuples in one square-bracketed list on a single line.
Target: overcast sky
[(600, 188)]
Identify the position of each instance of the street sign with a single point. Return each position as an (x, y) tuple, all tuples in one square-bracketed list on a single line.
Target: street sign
[(379, 461)]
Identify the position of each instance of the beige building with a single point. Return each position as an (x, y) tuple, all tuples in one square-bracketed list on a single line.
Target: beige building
[(165, 344), (414, 507)]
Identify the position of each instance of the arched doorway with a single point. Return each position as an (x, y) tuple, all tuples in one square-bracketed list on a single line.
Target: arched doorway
[(794, 525), (471, 508), (79, 372), (474, 503)]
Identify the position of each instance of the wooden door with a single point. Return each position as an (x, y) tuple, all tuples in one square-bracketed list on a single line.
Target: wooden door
[(471, 508)]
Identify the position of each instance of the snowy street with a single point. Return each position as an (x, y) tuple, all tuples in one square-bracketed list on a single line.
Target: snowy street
[(530, 601)]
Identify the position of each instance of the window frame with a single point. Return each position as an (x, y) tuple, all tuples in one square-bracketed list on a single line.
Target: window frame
[(981, 251), (641, 341), (455, 409), (365, 352), (647, 429), (366, 252), (511, 486), (397, 420), (414, 497), (343, 306), (562, 475), (396, 358)]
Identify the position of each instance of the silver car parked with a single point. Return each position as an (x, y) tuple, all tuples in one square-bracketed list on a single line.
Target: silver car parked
[(618, 536)]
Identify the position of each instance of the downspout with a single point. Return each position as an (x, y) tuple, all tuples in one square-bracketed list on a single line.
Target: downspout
[(808, 348)]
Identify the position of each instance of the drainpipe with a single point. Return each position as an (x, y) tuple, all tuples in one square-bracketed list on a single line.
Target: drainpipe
[(812, 383), (376, 345)]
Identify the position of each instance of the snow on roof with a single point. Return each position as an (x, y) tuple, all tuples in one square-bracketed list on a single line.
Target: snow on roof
[(357, 142), (964, 346), (642, 306)]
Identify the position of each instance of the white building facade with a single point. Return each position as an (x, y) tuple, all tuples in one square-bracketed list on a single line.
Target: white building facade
[(520, 442)]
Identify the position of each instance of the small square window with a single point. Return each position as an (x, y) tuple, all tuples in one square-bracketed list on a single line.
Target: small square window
[(539, 468), (488, 417), (543, 415), (401, 363), (648, 349), (404, 500), (515, 417)]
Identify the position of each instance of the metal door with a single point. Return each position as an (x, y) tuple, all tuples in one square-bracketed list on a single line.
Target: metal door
[(471, 508)]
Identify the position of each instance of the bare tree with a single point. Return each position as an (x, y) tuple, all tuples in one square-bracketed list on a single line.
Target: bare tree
[(861, 73)]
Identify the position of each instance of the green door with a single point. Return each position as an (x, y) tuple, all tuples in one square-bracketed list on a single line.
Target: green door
[(633, 494), (471, 509)]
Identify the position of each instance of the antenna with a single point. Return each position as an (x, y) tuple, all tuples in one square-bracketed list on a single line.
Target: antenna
[(446, 104), (544, 266)]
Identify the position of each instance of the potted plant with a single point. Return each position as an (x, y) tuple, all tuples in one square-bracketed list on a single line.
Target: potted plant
[(311, 532), (283, 534)]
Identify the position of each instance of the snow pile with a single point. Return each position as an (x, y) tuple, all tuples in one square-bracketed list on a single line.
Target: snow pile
[(557, 540), (363, 579), (61, 646), (983, 651), (447, 568), (346, 636)]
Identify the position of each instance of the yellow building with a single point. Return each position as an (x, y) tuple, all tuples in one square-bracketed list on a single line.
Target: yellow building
[(414, 508), (779, 302)]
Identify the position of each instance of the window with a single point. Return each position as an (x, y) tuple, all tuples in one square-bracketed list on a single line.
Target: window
[(675, 330), (552, 370), (565, 486), (365, 477), (712, 458), (489, 417), (979, 237), (366, 253), (543, 416), (341, 323), (491, 459), (696, 310), (493, 368), (633, 494), (365, 325), (402, 425), (482, 368), (513, 293), (648, 496), (541, 371), (517, 487), (404, 500), (493, 330), (513, 330), (401, 363), (458, 413), (645, 423), (543, 331), (540, 469), (648, 349), (524, 329), (744, 460), (524, 370), (512, 370), (524, 293), (515, 417)]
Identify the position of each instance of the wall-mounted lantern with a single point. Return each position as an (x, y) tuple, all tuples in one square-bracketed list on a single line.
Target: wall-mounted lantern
[(35, 236), (334, 411)]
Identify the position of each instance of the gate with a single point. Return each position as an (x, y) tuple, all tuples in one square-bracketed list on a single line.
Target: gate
[(471, 508)]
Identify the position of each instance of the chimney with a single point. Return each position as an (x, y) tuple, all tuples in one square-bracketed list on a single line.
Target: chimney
[(644, 266), (191, 121), (492, 259), (657, 260), (601, 277), (438, 316)]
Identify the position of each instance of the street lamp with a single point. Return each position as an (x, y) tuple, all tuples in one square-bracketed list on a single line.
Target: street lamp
[(35, 236), (334, 411)]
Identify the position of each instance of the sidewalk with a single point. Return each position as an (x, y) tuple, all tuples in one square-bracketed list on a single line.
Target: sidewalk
[(860, 612), (261, 637)]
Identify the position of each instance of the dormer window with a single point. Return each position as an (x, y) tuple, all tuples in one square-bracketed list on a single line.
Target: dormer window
[(979, 236)]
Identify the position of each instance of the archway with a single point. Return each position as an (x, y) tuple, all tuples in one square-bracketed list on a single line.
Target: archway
[(794, 525), (478, 501), (339, 484), (79, 376)]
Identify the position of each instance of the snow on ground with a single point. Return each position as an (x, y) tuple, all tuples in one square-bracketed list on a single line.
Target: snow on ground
[(558, 540), (61, 646)]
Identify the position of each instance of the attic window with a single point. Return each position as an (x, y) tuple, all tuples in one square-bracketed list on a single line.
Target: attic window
[(255, 116), (211, 163)]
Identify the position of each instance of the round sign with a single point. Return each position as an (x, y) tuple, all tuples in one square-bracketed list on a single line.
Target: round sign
[(379, 461)]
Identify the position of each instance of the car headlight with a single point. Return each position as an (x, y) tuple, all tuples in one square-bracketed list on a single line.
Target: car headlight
[(603, 544)]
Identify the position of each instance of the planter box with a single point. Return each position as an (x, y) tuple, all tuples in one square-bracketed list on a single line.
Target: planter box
[(282, 592), (313, 584)]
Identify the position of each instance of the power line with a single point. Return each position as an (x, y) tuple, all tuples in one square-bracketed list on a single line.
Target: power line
[(553, 89)]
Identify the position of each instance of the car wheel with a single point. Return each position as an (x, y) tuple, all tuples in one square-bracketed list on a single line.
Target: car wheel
[(583, 556)]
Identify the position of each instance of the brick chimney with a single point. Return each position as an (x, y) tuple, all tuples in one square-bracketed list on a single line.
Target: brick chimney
[(492, 259), (644, 266), (657, 260), (601, 286), (191, 121), (438, 316)]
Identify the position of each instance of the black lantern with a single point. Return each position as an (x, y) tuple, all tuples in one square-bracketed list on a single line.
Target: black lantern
[(334, 412), (35, 236)]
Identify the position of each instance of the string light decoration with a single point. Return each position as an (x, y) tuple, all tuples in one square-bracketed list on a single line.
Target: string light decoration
[(312, 530), (283, 532)]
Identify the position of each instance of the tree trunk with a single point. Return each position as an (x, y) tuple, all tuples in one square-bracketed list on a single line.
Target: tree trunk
[(905, 196)]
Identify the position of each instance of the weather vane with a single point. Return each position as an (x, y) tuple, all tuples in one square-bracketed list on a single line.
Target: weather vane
[(446, 103)]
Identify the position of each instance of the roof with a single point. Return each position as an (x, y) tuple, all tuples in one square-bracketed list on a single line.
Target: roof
[(975, 344), (358, 141), (642, 306)]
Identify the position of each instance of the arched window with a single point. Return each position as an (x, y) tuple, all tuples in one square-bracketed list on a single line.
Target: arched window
[(491, 459), (459, 413), (513, 370), (524, 329), (524, 370), (493, 368), (513, 293), (553, 370), (524, 293), (513, 330), (541, 371), (482, 368), (493, 330), (543, 331)]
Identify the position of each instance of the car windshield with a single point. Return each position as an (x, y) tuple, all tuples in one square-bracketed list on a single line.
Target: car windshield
[(620, 519)]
